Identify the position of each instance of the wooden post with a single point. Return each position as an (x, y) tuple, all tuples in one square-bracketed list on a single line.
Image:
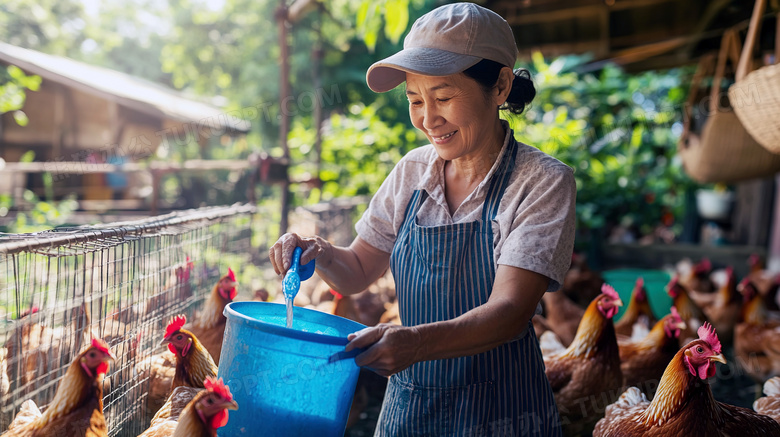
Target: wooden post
[(284, 93)]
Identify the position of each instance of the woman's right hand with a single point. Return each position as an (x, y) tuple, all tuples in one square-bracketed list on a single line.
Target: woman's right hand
[(282, 251)]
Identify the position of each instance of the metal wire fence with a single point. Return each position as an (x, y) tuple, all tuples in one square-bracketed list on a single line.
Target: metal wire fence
[(121, 282)]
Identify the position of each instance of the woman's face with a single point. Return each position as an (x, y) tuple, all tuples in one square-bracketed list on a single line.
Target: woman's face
[(454, 112)]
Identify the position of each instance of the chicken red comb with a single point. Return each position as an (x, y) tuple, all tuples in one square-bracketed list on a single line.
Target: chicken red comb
[(675, 315), (217, 387), (101, 345), (671, 289), (175, 324), (707, 333), (231, 275), (640, 289), (703, 266), (609, 291)]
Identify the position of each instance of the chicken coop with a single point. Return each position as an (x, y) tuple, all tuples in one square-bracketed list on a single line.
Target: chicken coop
[(121, 282)]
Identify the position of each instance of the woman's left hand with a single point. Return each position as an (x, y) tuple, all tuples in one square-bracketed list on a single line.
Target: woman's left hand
[(390, 348)]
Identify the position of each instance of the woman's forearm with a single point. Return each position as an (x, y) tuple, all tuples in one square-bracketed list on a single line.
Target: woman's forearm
[(350, 270)]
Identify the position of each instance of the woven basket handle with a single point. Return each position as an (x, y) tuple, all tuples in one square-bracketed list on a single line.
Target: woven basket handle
[(729, 49), (746, 57), (703, 70)]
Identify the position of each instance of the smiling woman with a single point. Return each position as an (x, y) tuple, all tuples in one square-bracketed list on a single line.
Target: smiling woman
[(476, 227)]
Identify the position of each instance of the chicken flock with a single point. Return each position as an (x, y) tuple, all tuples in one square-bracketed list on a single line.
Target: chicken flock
[(639, 375)]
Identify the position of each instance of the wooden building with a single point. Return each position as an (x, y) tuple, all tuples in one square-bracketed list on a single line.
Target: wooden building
[(85, 119)]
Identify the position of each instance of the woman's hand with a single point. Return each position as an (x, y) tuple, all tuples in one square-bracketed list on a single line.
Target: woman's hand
[(391, 348), (282, 251)]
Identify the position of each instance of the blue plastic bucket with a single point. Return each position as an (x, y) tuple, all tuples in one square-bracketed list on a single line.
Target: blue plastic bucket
[(281, 377)]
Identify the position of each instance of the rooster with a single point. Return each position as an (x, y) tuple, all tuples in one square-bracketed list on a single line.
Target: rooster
[(209, 324), (198, 412), (589, 368), (684, 404), (643, 362), (77, 407), (769, 404), (192, 364), (638, 311)]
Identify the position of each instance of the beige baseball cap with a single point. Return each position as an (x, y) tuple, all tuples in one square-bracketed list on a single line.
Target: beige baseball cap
[(447, 40)]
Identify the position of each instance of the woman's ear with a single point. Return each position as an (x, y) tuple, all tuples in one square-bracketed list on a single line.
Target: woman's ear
[(504, 85)]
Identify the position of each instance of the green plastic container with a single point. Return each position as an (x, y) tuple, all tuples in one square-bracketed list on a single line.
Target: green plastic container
[(623, 281)]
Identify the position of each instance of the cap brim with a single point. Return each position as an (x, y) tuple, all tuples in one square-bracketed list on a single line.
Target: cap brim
[(391, 72)]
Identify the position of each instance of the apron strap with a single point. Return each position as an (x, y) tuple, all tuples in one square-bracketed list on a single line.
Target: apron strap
[(499, 182)]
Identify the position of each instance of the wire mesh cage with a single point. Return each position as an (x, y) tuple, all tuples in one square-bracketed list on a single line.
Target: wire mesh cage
[(121, 282)]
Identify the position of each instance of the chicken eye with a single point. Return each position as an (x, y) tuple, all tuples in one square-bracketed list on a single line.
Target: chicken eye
[(178, 337), (92, 355), (699, 349), (211, 401)]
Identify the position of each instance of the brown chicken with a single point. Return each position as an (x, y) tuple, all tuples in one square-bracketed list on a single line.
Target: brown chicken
[(77, 408), (689, 312), (209, 324), (683, 404), (638, 311), (197, 412), (589, 368), (191, 365), (696, 278), (643, 362), (769, 404), (581, 284), (562, 315), (766, 282), (752, 335), (721, 308)]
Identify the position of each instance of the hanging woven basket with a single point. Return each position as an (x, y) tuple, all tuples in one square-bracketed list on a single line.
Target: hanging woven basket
[(755, 96)]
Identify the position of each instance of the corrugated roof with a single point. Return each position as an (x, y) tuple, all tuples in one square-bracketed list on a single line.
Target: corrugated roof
[(136, 93)]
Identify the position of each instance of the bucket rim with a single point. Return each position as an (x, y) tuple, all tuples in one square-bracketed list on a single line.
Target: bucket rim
[(284, 331)]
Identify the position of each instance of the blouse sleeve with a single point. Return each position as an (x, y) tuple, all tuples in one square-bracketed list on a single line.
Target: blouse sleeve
[(541, 237), (381, 222)]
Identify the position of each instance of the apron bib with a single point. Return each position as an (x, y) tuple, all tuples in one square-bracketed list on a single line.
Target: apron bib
[(442, 272)]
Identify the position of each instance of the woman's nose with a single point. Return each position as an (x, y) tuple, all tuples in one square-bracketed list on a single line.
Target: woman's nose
[(431, 117)]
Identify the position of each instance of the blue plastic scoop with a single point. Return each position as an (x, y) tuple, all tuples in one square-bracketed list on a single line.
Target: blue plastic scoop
[(297, 273)]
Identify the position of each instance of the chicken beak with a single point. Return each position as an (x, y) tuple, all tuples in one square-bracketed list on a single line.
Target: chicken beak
[(231, 284), (681, 326), (719, 358), (164, 341), (230, 405), (617, 303), (109, 357)]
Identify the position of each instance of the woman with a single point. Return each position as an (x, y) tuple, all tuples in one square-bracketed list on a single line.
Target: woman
[(476, 227)]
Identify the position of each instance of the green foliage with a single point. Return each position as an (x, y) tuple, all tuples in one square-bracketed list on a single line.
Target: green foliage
[(359, 149), (619, 134), (13, 83), (52, 26)]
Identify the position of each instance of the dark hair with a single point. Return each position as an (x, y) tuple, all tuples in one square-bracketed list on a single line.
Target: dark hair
[(486, 72)]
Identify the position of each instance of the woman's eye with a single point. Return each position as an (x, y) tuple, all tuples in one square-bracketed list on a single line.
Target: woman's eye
[(443, 100)]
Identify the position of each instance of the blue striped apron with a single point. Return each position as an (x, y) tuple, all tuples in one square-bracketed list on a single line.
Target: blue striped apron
[(442, 272)]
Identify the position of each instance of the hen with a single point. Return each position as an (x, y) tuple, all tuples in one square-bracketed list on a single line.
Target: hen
[(753, 335), (589, 368), (684, 404), (689, 312), (638, 311), (581, 284), (766, 282), (643, 362), (721, 308), (769, 404), (696, 278), (193, 365), (77, 407), (209, 324), (197, 412)]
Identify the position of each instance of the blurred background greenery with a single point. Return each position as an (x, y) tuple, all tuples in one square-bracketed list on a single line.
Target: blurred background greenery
[(619, 131)]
